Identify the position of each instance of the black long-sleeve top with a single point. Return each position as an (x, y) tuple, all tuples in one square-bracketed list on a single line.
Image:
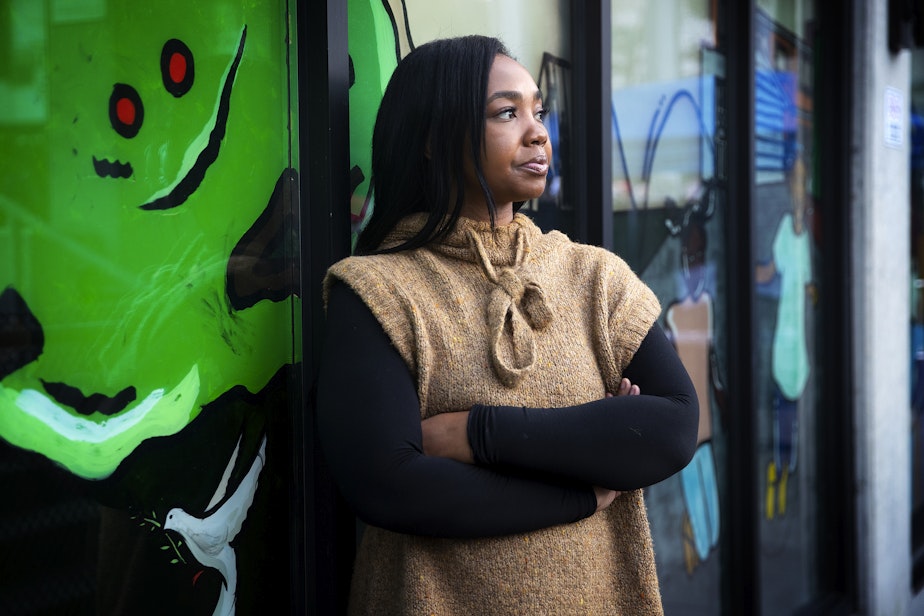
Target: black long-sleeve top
[(534, 467)]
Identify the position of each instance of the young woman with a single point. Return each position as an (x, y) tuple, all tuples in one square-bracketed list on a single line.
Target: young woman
[(470, 398)]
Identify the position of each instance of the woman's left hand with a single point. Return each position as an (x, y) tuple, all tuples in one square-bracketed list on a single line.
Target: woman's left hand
[(626, 388)]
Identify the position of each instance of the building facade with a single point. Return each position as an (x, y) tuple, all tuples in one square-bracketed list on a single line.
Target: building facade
[(175, 181)]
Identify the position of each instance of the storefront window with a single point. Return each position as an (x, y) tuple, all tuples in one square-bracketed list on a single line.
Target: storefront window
[(787, 371), (669, 209), (147, 333)]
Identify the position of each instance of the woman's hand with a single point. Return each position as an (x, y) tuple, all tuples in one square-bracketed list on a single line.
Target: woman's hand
[(626, 388), (446, 436), (606, 497)]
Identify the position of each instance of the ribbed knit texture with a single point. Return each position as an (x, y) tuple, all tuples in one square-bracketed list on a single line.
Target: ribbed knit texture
[(508, 316)]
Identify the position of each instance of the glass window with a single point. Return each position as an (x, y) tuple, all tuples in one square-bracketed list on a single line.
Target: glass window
[(787, 370), (146, 306), (669, 209)]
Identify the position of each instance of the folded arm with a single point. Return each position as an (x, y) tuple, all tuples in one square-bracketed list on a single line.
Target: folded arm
[(619, 442)]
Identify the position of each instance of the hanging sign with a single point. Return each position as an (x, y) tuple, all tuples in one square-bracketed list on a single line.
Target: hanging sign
[(894, 112)]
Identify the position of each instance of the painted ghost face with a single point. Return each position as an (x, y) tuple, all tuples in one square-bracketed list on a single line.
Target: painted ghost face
[(153, 151)]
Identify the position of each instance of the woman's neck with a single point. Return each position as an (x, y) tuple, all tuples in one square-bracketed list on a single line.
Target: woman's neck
[(503, 213)]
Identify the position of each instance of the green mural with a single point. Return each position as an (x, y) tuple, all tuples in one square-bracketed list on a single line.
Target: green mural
[(163, 138), (378, 37), (147, 314)]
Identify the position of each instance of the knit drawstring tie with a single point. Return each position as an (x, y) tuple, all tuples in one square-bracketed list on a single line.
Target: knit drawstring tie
[(516, 309)]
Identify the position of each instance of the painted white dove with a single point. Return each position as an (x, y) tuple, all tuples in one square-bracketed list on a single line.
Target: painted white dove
[(209, 537)]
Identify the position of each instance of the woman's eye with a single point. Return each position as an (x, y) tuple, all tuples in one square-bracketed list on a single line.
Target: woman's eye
[(541, 113), (507, 114)]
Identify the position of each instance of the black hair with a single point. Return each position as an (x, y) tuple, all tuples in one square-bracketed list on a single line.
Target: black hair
[(432, 109)]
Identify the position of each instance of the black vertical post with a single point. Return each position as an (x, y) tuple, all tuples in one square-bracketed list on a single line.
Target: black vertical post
[(323, 132), (593, 137), (835, 458), (740, 544)]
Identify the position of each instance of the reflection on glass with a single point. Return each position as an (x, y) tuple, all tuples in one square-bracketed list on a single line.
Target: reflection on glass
[(787, 302), (669, 202)]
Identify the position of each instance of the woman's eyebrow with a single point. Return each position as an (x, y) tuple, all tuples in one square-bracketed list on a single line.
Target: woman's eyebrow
[(513, 95)]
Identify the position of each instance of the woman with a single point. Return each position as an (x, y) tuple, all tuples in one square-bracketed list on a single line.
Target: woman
[(464, 398)]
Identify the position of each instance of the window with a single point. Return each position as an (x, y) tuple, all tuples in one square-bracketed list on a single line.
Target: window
[(669, 202), (146, 305)]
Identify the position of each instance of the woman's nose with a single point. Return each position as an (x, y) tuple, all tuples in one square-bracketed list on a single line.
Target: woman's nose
[(21, 335), (537, 135)]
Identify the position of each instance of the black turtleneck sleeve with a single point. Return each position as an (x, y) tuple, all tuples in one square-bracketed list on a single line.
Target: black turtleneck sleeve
[(620, 442)]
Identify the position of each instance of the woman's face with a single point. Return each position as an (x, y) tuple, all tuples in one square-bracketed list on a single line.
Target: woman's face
[(517, 152)]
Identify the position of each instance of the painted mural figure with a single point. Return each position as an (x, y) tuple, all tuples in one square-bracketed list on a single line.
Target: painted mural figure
[(689, 322), (790, 369), (210, 537), (146, 317)]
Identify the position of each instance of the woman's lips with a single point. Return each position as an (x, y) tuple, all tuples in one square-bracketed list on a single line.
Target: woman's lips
[(538, 165)]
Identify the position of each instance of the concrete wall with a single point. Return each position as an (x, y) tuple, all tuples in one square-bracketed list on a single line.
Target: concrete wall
[(880, 296)]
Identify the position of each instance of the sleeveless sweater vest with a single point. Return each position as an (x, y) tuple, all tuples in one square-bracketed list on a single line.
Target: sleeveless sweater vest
[(508, 316)]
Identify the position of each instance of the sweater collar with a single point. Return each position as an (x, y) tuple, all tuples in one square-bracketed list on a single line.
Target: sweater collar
[(499, 243)]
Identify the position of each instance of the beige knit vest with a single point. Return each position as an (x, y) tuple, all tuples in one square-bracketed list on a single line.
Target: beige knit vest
[(508, 316)]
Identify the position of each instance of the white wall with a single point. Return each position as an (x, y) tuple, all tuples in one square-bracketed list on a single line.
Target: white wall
[(880, 263)]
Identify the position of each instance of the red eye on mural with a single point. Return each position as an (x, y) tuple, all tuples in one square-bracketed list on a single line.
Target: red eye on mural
[(177, 67), (126, 113)]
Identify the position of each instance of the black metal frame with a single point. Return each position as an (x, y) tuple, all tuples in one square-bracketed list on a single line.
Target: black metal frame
[(838, 569), (838, 576), (740, 544), (328, 530), (593, 150)]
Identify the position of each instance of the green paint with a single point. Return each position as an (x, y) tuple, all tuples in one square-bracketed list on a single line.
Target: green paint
[(372, 48), (127, 297), (90, 446)]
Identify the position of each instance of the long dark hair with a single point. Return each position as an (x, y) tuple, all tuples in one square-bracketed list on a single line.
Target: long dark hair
[(432, 109)]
